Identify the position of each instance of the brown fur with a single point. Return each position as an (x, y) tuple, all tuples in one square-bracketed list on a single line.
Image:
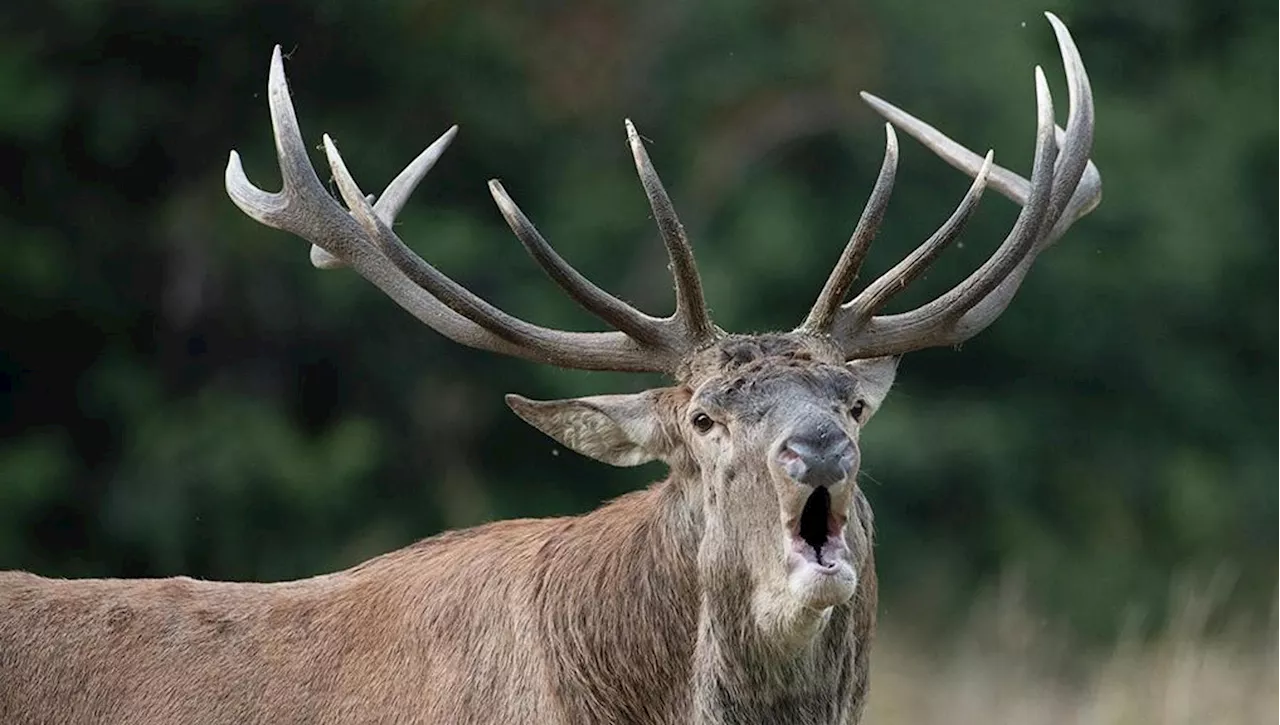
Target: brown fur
[(633, 613), (572, 620)]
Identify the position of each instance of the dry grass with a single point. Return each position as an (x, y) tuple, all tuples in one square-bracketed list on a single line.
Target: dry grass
[(1004, 668)]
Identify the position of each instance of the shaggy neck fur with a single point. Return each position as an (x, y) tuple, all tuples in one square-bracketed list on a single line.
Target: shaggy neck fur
[(656, 638)]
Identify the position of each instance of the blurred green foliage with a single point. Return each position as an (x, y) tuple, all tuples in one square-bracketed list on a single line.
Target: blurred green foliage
[(180, 392)]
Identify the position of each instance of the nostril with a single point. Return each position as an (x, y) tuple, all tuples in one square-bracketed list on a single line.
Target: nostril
[(800, 449), (794, 459), (818, 460)]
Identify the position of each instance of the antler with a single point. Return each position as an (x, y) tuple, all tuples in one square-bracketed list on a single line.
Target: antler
[(1054, 198), (362, 238), (1064, 186)]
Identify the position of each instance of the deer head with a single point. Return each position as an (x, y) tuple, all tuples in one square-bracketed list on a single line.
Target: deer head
[(761, 429)]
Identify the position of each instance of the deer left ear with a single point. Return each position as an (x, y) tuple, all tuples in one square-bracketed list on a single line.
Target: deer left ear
[(621, 430), (875, 377)]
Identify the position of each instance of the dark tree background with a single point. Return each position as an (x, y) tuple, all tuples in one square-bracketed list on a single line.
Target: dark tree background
[(180, 392)]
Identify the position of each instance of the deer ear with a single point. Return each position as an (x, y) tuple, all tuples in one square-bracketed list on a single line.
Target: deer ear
[(875, 377), (621, 430)]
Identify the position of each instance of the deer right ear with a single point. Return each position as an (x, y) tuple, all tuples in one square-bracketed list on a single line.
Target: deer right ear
[(621, 430)]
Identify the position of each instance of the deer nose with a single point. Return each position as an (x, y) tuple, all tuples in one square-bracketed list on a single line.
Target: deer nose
[(821, 457)]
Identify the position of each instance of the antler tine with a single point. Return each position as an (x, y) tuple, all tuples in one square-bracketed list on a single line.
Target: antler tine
[(643, 328), (872, 299), (1052, 200), (278, 209), (397, 193), (691, 307), (363, 240), (687, 327), (393, 198), (823, 313), (1009, 184), (1077, 140)]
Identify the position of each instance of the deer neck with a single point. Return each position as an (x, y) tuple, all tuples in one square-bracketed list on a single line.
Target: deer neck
[(654, 639), (745, 673), (618, 604), (712, 646), (760, 658)]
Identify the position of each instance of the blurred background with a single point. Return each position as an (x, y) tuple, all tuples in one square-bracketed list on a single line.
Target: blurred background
[(1090, 484)]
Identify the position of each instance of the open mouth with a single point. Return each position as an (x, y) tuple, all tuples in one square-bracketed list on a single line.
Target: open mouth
[(817, 536)]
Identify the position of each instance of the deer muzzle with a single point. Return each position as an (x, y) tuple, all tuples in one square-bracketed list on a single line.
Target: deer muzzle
[(821, 456)]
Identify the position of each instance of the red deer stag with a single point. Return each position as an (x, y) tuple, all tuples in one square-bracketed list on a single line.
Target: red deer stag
[(741, 589)]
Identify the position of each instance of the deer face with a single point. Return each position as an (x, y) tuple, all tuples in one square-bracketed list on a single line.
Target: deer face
[(766, 427), (772, 427)]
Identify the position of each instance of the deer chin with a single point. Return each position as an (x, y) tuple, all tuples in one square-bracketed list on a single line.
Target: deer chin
[(820, 587), (820, 571)]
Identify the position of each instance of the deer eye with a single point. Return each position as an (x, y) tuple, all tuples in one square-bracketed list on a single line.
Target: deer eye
[(702, 422), (857, 409)]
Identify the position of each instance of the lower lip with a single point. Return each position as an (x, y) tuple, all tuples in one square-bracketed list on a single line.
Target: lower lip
[(808, 567), (824, 569), (834, 554)]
